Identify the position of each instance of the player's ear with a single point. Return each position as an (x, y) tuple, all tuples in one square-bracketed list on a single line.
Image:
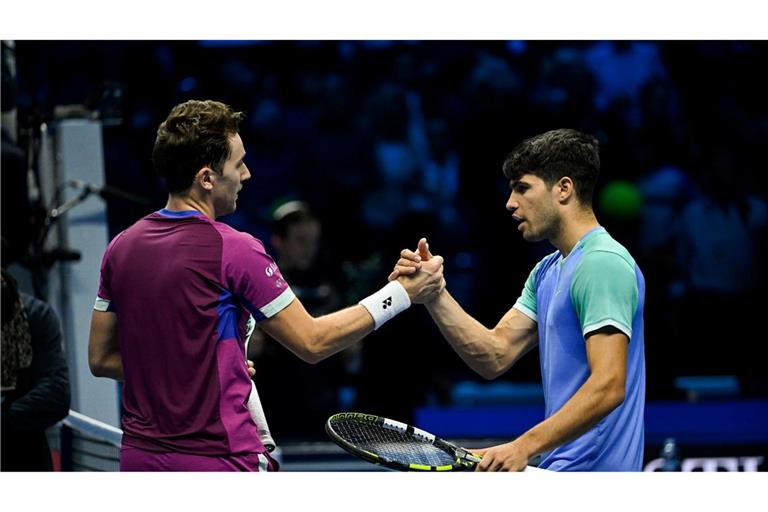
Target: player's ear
[(565, 189), (205, 178)]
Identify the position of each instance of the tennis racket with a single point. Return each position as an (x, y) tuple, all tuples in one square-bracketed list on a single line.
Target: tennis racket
[(396, 445)]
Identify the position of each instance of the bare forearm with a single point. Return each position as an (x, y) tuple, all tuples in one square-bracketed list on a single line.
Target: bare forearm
[(477, 345), (591, 403), (334, 332)]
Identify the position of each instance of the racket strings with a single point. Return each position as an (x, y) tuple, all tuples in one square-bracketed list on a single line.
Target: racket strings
[(395, 445)]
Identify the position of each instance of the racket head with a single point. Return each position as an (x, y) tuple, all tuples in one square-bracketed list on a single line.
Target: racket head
[(396, 445)]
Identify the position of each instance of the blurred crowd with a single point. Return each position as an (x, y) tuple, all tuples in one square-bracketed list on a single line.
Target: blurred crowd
[(373, 144)]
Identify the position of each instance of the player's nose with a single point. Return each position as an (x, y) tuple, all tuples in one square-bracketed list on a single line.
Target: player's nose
[(512, 203)]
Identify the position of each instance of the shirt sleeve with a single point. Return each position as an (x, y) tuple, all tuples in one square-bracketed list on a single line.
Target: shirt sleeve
[(604, 292), (526, 303), (104, 295), (253, 276)]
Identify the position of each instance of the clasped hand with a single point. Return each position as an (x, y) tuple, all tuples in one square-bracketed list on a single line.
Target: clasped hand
[(420, 273)]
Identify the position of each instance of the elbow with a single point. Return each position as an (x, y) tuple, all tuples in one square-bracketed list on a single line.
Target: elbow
[(96, 370), (488, 372), (97, 366), (614, 396), (312, 357), (607, 390), (94, 367), (312, 352), (619, 398)]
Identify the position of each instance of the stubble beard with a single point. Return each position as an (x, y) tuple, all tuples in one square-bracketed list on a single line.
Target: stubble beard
[(551, 225)]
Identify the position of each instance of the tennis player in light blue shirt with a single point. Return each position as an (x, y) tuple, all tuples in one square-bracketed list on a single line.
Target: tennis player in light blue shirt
[(597, 287), (581, 305)]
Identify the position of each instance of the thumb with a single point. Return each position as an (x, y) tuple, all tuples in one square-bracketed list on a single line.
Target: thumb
[(424, 250)]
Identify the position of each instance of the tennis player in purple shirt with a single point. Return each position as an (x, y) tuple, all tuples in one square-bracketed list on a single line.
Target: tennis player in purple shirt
[(177, 290)]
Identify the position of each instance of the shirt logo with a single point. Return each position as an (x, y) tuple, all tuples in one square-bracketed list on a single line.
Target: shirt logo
[(271, 269)]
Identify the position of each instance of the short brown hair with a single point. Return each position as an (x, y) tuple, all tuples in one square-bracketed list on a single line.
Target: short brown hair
[(194, 135)]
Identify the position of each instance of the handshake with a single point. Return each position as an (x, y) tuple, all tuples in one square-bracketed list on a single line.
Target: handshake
[(420, 273)]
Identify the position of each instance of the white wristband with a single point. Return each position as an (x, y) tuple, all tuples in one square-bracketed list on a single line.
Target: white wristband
[(386, 303)]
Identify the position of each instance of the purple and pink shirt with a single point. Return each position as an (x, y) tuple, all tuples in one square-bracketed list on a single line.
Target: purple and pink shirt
[(183, 287)]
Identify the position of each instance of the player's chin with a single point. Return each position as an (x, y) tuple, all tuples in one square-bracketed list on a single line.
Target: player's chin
[(531, 236)]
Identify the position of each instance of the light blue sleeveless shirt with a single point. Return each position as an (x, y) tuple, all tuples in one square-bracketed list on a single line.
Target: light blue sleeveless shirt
[(598, 284)]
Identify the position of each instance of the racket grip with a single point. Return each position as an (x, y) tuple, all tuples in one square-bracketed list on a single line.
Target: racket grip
[(257, 415)]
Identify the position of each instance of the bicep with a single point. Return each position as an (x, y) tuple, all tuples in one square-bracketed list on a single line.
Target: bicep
[(607, 354)]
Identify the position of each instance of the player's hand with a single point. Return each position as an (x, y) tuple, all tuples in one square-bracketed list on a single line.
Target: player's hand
[(410, 261), (504, 457), (251, 368), (424, 286)]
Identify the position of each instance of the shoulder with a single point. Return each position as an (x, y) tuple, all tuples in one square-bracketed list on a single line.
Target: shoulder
[(38, 312), (545, 263), (604, 264), (134, 230), (234, 239), (118, 239), (243, 252), (603, 249)]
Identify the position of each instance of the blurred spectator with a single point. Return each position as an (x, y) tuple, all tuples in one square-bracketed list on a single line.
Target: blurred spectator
[(622, 69), (396, 160), (722, 232), (666, 191), (417, 162), (280, 376), (35, 380)]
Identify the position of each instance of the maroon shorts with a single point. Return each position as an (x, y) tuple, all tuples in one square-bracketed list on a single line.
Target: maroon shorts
[(136, 459)]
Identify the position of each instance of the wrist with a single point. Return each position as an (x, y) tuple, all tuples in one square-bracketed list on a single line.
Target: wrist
[(386, 303), (526, 443), (438, 301)]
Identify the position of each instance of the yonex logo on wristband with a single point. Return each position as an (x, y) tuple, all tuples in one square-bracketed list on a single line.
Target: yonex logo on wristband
[(386, 303)]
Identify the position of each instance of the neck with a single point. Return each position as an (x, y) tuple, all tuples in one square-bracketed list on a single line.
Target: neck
[(574, 227), (177, 202)]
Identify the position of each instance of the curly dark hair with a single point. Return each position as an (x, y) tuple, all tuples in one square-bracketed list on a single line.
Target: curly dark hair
[(195, 134), (555, 154)]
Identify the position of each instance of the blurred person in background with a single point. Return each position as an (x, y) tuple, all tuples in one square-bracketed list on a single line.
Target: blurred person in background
[(35, 379), (722, 250), (281, 377)]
